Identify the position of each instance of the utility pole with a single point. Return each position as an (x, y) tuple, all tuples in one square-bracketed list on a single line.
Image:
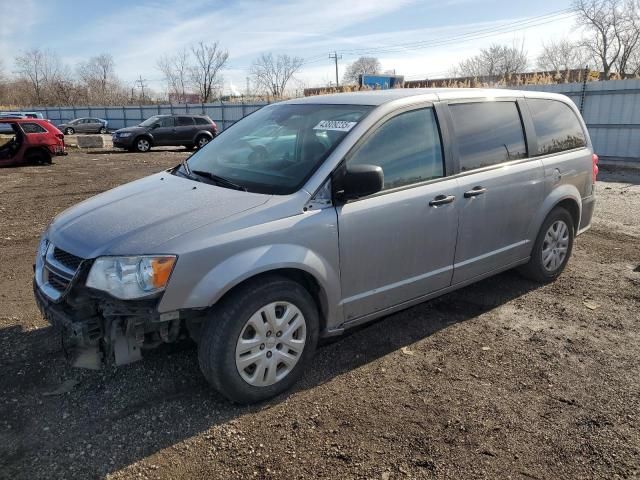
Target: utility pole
[(335, 57), (142, 82)]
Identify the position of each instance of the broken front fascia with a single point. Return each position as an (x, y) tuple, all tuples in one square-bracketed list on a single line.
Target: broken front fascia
[(98, 329)]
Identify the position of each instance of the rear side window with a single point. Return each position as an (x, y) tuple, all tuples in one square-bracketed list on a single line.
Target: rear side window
[(32, 128), (202, 121), (488, 133), (407, 148), (184, 121), (557, 126)]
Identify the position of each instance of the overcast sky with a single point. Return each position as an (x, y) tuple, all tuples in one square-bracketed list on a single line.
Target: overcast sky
[(137, 33)]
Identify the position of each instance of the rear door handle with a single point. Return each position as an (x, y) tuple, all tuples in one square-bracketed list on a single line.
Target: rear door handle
[(441, 200), (474, 192)]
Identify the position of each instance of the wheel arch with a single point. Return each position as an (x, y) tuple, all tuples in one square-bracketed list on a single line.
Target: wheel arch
[(565, 196), (39, 150), (201, 133), (146, 135), (301, 277)]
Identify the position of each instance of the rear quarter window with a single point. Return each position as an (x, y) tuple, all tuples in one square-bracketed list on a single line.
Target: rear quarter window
[(32, 128), (202, 121), (557, 126)]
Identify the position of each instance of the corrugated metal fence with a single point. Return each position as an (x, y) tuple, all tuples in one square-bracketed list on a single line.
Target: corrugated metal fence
[(224, 114), (611, 110)]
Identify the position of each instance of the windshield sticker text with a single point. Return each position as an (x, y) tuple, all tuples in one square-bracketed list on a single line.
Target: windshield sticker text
[(337, 125)]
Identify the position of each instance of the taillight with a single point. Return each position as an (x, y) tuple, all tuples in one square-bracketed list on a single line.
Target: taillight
[(594, 159)]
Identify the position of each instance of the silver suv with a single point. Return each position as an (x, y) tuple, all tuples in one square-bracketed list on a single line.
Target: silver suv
[(314, 215)]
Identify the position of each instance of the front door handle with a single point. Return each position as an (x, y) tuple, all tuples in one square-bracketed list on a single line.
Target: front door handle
[(474, 192), (441, 200)]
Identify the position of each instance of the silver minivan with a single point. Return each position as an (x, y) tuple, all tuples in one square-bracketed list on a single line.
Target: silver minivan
[(314, 215)]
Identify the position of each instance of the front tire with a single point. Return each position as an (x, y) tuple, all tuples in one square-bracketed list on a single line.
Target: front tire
[(259, 339), (552, 248), (142, 145), (69, 131)]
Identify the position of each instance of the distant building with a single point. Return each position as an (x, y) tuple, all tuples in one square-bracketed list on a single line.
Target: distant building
[(186, 98)]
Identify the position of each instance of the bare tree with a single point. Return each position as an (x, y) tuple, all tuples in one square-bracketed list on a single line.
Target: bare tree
[(44, 71), (362, 66), (272, 74), (629, 38), (603, 23), (209, 59), (175, 69), (98, 76), (562, 55), (495, 61)]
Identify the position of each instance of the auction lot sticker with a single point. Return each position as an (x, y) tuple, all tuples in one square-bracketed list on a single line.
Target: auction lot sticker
[(337, 125)]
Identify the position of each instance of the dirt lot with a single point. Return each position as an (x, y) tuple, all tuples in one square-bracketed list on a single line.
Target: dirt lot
[(503, 379)]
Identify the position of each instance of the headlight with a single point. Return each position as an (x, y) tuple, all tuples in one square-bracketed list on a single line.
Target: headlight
[(131, 277), (124, 134), (42, 247)]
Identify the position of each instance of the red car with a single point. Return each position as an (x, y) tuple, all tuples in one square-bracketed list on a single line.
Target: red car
[(34, 141)]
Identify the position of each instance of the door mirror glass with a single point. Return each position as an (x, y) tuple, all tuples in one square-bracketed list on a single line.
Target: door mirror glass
[(359, 181)]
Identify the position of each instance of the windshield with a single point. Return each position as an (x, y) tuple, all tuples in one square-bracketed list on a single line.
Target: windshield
[(150, 121), (276, 149)]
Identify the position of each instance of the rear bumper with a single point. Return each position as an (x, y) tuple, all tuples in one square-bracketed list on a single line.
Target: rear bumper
[(588, 206)]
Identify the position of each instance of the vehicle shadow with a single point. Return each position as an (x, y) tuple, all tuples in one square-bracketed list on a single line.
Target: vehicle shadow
[(77, 423)]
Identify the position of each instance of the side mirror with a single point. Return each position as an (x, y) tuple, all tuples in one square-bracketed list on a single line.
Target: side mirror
[(358, 181)]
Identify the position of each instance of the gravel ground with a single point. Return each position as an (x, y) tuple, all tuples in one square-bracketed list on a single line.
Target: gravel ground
[(503, 379)]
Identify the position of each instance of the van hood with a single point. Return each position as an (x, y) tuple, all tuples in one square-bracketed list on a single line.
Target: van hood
[(138, 217)]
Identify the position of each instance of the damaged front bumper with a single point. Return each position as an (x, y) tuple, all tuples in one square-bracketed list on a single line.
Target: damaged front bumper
[(98, 330)]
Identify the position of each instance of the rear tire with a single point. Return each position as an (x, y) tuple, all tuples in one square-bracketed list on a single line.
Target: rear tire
[(201, 141), (552, 248), (277, 353), (102, 131)]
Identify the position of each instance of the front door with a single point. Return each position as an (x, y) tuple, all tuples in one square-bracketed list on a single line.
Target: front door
[(500, 190), (399, 244), (165, 132)]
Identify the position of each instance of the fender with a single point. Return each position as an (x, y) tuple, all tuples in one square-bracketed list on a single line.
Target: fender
[(200, 133), (557, 195), (249, 263)]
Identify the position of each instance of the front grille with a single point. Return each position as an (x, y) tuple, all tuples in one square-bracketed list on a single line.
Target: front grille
[(58, 282), (67, 259), (56, 272)]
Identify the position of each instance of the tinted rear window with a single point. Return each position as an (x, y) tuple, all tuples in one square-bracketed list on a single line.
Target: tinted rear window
[(182, 121), (557, 126), (488, 133)]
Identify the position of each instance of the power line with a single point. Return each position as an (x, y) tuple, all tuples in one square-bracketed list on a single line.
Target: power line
[(142, 83), (469, 36), (335, 57)]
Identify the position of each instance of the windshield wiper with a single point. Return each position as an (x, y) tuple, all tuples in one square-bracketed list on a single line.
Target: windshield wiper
[(219, 180)]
